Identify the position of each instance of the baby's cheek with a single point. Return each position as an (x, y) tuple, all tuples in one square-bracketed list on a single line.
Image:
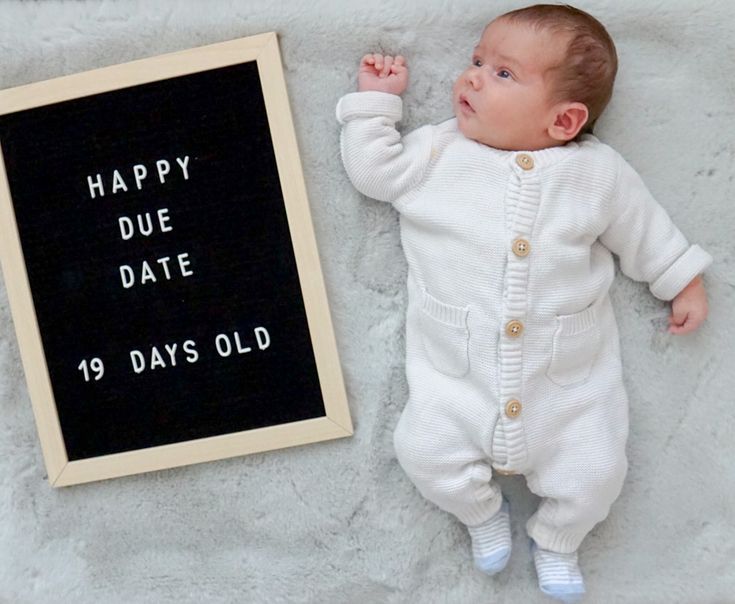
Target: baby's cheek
[(459, 84), (465, 127)]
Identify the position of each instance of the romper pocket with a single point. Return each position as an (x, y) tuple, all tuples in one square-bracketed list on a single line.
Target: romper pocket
[(575, 347), (445, 335)]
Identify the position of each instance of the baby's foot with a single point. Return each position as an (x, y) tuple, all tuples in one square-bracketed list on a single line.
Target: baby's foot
[(491, 541), (558, 574)]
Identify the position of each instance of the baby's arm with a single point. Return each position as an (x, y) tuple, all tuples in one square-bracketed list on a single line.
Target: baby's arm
[(378, 161), (651, 248)]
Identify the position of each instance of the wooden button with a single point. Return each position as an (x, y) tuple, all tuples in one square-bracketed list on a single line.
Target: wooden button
[(521, 247), (504, 472), (525, 161), (514, 328), (513, 408)]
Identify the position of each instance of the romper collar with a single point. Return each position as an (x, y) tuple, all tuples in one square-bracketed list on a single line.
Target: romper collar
[(526, 162)]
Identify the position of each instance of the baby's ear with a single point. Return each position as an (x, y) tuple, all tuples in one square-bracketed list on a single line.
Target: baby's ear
[(569, 119)]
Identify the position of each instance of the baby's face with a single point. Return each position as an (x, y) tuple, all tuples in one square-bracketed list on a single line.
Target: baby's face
[(502, 99)]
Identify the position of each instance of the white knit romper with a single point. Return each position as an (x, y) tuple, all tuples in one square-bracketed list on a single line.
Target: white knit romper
[(512, 349)]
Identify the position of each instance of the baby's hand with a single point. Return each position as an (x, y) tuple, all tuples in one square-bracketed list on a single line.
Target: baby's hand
[(382, 73), (688, 308)]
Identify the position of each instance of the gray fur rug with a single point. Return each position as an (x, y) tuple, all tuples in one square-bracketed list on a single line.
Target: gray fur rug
[(338, 521)]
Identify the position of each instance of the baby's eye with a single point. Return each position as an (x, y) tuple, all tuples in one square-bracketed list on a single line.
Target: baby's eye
[(476, 62), (504, 73)]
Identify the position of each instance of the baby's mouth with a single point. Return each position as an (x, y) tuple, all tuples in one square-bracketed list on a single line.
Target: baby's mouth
[(464, 103)]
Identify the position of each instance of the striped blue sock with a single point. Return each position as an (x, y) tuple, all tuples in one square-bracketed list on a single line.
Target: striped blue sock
[(558, 574), (491, 541)]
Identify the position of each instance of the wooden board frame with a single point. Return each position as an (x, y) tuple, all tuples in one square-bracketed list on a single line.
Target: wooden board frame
[(337, 423)]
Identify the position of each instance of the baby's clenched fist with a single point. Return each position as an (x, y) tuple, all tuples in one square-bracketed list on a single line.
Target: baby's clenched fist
[(382, 73)]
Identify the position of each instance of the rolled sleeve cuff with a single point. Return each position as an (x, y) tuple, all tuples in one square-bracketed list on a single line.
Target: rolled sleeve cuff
[(690, 264), (369, 104)]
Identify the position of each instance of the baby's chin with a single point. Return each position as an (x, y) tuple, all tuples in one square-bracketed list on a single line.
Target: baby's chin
[(472, 132), (492, 138)]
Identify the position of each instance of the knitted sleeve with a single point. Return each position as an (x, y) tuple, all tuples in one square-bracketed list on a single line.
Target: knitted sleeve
[(380, 163), (651, 248)]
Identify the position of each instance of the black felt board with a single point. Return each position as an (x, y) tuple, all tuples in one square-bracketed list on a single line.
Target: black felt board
[(228, 217)]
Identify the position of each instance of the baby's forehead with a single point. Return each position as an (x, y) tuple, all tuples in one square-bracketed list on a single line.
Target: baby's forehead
[(538, 28), (506, 28), (537, 48)]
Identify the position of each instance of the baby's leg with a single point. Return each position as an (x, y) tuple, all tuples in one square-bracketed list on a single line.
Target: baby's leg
[(575, 500), (446, 467), (438, 453), (578, 487)]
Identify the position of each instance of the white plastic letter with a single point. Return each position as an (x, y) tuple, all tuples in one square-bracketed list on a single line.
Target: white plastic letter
[(223, 345), (183, 264), (126, 227), (138, 361), (148, 225), (156, 358), (164, 263), (162, 220), (192, 356), (118, 182), (127, 275), (94, 185), (264, 340), (172, 353), (140, 173), (146, 274), (184, 166), (240, 348), (163, 168)]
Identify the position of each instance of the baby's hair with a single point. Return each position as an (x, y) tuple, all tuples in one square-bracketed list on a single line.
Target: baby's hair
[(588, 71)]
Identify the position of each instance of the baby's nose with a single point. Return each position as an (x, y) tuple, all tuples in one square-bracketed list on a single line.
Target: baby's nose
[(474, 78)]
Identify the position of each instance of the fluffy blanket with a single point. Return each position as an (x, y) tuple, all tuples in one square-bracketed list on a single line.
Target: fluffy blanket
[(339, 521)]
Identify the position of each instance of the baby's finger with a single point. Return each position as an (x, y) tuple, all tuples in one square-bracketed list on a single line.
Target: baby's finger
[(399, 60), (678, 314), (378, 61), (689, 323), (368, 59), (681, 330), (387, 64)]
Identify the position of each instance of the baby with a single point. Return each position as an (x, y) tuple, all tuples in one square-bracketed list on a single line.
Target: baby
[(509, 215)]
